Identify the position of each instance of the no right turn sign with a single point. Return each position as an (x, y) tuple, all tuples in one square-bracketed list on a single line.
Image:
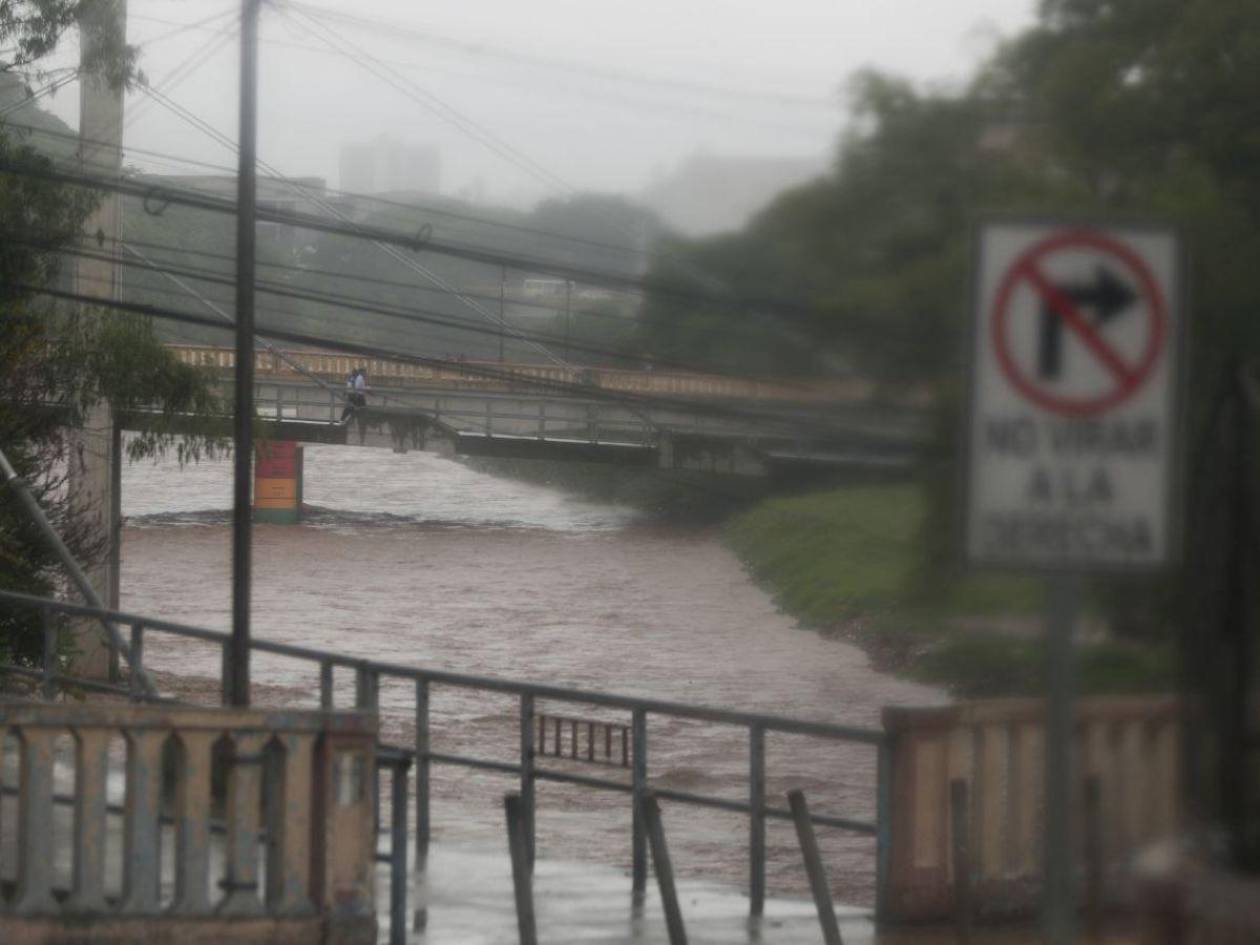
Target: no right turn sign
[(1075, 356)]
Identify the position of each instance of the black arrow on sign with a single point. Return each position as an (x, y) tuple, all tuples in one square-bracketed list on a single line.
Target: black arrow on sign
[(1106, 297)]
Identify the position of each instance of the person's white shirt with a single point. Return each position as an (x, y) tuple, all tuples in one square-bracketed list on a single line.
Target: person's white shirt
[(360, 383)]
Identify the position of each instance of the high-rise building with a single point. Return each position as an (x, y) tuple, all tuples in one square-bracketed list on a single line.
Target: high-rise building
[(386, 165)]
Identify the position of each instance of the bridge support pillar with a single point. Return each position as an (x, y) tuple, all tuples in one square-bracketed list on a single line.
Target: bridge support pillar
[(278, 483)]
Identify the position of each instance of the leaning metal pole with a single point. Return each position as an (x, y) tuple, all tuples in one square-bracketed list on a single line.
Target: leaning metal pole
[(236, 676), (77, 576)]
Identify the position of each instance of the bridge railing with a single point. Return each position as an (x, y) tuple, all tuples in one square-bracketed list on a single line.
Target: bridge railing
[(578, 422), (496, 375), (370, 674)]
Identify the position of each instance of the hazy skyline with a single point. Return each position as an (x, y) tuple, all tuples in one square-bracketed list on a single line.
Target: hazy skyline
[(524, 101)]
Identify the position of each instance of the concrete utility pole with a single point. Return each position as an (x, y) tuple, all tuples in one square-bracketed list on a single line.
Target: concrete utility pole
[(236, 675), (96, 458), (502, 323), (568, 316)]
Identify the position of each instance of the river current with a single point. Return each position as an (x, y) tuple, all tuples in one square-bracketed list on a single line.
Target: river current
[(417, 559)]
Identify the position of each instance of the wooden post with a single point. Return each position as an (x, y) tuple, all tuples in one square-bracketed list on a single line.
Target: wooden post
[(814, 868)]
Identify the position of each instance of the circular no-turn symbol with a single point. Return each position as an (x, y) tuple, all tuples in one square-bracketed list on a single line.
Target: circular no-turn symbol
[(1078, 323)]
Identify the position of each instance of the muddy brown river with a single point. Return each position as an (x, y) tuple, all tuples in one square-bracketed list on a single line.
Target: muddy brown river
[(416, 559)]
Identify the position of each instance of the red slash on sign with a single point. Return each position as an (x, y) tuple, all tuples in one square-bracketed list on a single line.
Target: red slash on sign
[(1063, 308)]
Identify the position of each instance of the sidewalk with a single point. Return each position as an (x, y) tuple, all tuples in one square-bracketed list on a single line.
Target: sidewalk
[(470, 902)]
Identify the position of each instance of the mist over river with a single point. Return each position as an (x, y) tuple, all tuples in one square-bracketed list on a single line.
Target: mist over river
[(416, 559)]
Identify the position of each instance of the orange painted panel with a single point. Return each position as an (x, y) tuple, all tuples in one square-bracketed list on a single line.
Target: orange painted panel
[(275, 489)]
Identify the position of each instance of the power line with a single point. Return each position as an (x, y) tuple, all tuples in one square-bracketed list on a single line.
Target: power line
[(431, 102), (423, 315), (369, 198), (409, 314), (656, 106), (383, 244), (396, 30), (160, 195), (377, 281), (451, 115)]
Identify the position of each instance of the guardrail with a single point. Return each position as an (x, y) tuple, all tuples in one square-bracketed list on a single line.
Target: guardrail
[(369, 674)]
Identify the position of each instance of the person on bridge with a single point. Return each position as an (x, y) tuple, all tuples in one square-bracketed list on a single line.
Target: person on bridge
[(356, 384)]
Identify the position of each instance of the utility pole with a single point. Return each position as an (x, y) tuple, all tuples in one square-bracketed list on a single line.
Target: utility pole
[(236, 677), (568, 314), (502, 323), (95, 466)]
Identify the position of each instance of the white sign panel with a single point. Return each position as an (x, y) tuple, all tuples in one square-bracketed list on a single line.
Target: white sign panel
[(1073, 414)]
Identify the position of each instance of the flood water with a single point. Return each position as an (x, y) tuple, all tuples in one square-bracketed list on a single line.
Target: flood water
[(416, 559)]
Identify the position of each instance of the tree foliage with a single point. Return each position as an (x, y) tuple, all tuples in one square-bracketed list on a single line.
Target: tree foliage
[(1130, 108), (58, 363)]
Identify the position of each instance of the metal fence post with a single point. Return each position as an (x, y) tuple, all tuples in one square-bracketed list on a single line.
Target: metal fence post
[(883, 825), (137, 662), (639, 789), (756, 820), (366, 689), (527, 776), (522, 885), (49, 665), (960, 830), (225, 684), (1093, 860), (422, 797), (326, 685), (664, 869), (814, 868), (398, 853)]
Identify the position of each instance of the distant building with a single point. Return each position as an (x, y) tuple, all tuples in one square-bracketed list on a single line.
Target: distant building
[(708, 194), (304, 196), (385, 165)]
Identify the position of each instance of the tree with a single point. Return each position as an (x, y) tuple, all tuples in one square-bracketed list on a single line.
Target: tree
[(57, 362)]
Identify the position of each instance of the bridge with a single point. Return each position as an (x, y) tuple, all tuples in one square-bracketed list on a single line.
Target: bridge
[(665, 420)]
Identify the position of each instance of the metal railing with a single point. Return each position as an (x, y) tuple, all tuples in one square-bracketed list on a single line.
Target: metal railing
[(584, 422), (369, 674)]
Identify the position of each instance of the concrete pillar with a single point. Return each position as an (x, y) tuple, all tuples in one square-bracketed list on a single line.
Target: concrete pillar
[(278, 483), (92, 471)]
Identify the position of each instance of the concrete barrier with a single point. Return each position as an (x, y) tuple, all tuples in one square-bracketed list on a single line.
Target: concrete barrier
[(285, 856), (1130, 746)]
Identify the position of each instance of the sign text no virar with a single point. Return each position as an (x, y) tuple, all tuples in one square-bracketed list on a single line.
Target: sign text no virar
[(1072, 414)]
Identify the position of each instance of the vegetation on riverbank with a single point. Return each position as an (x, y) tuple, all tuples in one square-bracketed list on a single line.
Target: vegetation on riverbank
[(849, 563)]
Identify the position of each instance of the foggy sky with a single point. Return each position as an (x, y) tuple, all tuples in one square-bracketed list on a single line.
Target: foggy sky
[(599, 95)]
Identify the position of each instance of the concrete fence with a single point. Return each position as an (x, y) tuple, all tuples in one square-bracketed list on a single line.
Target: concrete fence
[(241, 826), (1127, 751)]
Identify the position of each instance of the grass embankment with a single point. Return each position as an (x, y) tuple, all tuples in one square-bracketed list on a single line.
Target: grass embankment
[(849, 563)]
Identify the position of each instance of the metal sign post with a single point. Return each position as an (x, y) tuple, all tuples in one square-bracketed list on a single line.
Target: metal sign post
[(1071, 446)]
